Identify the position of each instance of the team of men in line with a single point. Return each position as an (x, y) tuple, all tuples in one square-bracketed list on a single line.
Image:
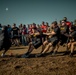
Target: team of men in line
[(48, 36), (56, 36)]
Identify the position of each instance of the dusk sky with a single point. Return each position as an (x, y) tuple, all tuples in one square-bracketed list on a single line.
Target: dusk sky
[(29, 11)]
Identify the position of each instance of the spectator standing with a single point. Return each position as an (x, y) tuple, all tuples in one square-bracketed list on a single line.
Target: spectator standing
[(24, 33)]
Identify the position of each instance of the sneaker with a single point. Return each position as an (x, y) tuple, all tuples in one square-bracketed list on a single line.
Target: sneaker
[(24, 56), (71, 54), (38, 55), (66, 53), (54, 53), (2, 55), (51, 52)]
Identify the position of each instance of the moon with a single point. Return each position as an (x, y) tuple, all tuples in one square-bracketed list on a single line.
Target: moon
[(6, 9)]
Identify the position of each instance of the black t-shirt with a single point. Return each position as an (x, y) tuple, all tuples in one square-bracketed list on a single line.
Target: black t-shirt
[(73, 34), (15, 30), (64, 29), (35, 37), (57, 31), (75, 27)]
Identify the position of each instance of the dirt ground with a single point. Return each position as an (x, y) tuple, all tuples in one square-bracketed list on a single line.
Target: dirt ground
[(47, 65)]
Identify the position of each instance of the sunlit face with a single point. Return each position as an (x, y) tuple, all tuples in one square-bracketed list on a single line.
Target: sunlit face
[(32, 26), (53, 25), (70, 30), (63, 23), (13, 26)]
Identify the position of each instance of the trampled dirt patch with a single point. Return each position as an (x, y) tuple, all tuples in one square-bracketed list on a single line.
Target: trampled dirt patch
[(48, 65)]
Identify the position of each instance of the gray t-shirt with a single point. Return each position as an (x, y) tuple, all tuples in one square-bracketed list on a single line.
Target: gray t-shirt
[(73, 34)]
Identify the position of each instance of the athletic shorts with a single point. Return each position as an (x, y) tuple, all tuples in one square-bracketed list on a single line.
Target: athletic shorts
[(37, 43), (63, 40), (53, 41), (44, 37)]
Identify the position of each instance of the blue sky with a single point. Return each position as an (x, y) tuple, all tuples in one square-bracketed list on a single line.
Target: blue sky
[(29, 11)]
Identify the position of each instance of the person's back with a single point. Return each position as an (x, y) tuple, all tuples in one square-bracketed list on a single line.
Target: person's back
[(4, 40), (9, 30)]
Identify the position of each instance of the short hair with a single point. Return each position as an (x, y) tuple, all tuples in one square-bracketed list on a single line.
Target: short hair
[(55, 23), (43, 22), (65, 18), (34, 24)]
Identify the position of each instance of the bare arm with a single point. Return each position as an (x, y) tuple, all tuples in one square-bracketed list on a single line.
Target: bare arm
[(67, 35), (35, 33), (52, 33)]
